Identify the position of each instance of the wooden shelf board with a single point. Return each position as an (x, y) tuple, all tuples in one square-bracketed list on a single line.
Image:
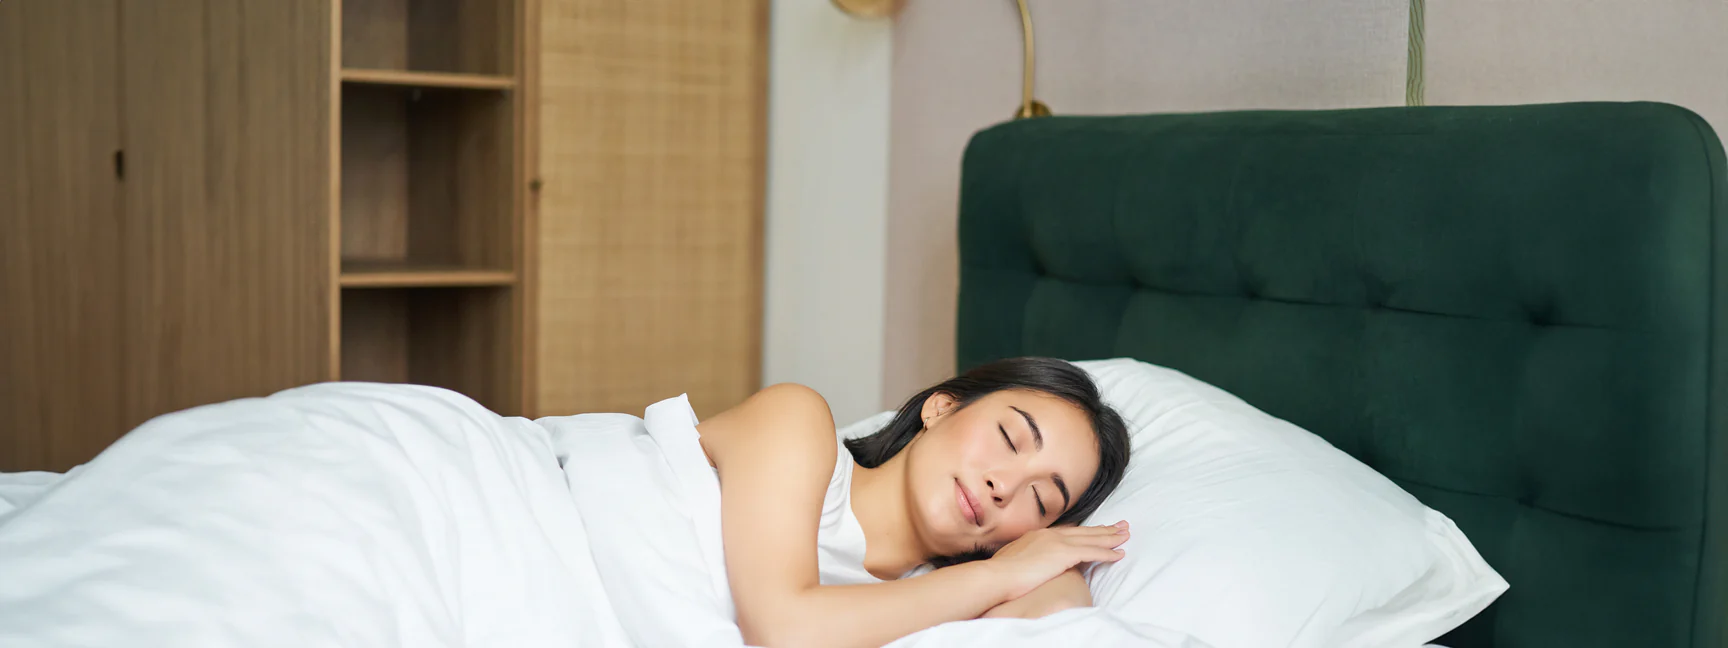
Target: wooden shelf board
[(396, 275), (427, 79)]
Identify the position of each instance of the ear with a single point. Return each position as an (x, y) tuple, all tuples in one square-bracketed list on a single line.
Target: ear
[(935, 406)]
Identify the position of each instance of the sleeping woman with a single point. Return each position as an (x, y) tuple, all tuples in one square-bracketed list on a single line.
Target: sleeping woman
[(366, 514), (984, 476)]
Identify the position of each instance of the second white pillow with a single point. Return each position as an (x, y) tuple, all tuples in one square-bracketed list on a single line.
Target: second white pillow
[(1251, 532)]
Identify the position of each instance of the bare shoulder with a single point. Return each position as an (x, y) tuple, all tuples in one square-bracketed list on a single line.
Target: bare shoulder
[(785, 418), (793, 398), (784, 401)]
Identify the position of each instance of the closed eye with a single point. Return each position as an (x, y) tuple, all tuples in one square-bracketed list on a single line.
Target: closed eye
[(1005, 438), (1042, 513)]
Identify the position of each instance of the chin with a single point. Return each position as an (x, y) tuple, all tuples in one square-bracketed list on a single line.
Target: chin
[(944, 531)]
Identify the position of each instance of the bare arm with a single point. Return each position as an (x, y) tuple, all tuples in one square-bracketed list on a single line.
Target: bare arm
[(1062, 592), (775, 454)]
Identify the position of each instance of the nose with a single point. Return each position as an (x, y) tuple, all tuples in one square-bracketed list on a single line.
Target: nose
[(1000, 490)]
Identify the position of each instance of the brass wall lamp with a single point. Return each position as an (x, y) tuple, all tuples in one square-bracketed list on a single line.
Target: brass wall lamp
[(1029, 106), (869, 8)]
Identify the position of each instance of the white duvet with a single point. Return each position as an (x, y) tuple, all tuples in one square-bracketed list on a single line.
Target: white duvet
[(375, 515)]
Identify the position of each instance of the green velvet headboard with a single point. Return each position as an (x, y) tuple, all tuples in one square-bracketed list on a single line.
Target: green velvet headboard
[(1519, 314)]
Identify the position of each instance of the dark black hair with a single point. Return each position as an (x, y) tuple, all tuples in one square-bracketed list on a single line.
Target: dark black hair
[(1051, 376)]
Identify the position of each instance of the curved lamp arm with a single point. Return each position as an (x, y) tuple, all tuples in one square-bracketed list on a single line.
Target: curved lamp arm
[(1029, 107)]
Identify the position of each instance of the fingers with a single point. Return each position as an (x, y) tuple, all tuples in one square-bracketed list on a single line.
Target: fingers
[(1108, 529), (1108, 541), (1085, 555), (1100, 554)]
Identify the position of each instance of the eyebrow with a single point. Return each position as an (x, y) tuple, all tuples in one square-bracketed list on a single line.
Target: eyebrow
[(1037, 436)]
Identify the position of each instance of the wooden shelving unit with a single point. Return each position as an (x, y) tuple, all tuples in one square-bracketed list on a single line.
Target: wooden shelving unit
[(316, 191), (428, 79), (429, 218), (391, 275)]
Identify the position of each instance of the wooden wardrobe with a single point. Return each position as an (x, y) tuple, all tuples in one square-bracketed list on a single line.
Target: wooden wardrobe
[(552, 206)]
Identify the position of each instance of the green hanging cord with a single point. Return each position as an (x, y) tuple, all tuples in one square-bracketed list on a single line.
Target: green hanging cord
[(1413, 74)]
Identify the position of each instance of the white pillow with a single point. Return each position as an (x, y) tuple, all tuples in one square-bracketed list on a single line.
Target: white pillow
[(1251, 532)]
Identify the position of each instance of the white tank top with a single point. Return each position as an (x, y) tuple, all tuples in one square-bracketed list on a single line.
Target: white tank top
[(839, 537)]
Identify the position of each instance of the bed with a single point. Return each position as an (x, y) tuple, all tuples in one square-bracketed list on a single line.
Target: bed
[(1518, 314), (1512, 313)]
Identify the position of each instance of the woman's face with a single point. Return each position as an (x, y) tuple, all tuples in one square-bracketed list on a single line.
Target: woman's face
[(1010, 462)]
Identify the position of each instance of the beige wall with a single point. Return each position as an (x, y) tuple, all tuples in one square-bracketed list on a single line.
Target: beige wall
[(827, 204), (957, 67), (1528, 51)]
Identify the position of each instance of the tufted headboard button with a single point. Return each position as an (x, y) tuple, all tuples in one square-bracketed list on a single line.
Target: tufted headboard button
[(1252, 288), (1526, 495), (1540, 314), (1375, 291)]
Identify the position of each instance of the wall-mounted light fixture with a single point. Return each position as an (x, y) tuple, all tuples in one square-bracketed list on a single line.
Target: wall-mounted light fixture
[(868, 8), (1029, 105)]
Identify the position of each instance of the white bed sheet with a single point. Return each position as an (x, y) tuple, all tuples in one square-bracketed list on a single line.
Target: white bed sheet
[(361, 514)]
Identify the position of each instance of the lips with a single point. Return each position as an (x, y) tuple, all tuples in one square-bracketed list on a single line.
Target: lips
[(968, 504)]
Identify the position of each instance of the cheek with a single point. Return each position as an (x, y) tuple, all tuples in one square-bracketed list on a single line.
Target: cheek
[(979, 443), (960, 448), (1018, 523)]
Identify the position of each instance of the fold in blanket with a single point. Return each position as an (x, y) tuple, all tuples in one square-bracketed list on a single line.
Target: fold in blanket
[(348, 514)]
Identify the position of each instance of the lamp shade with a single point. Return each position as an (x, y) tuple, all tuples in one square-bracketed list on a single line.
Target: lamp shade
[(868, 8)]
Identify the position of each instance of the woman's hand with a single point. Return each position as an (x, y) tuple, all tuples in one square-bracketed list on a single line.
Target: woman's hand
[(1063, 592), (1041, 555)]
